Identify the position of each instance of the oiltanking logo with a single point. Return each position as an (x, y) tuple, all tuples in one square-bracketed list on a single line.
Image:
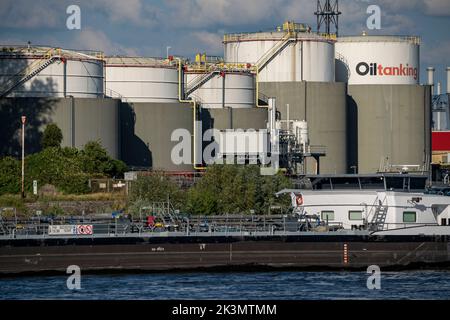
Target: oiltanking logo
[(376, 69)]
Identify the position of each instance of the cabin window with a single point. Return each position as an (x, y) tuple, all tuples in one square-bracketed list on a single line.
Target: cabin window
[(409, 216), (328, 215), (355, 215)]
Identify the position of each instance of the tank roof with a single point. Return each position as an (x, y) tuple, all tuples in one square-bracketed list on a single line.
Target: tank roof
[(137, 61), (276, 35), (300, 31), (33, 51), (380, 38)]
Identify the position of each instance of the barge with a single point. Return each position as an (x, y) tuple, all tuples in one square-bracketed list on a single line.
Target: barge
[(394, 227)]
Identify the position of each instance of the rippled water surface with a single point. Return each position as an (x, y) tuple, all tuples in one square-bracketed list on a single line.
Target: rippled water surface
[(255, 286)]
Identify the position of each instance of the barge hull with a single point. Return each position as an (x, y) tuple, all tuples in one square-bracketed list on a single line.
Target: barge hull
[(190, 253)]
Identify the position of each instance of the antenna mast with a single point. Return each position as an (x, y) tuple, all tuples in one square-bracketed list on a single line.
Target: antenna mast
[(328, 14)]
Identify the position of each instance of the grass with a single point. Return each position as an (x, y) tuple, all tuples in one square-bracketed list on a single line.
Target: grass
[(85, 197), (16, 201)]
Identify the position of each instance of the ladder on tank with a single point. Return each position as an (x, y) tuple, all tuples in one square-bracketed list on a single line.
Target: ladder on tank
[(26, 74), (379, 217), (198, 81), (277, 48)]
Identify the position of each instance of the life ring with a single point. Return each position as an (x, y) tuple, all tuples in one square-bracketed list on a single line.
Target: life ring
[(299, 199)]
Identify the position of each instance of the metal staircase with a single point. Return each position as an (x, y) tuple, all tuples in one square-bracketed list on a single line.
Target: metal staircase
[(164, 213), (26, 74), (198, 81), (270, 55), (379, 217)]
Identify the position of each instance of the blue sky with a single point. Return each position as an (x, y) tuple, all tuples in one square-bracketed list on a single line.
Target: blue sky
[(147, 27)]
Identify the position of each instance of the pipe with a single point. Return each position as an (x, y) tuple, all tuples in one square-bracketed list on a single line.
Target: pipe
[(274, 147), (257, 89), (448, 80), (194, 108), (430, 71)]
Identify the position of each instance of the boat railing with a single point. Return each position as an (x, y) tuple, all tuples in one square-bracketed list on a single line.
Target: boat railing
[(403, 225), (226, 225)]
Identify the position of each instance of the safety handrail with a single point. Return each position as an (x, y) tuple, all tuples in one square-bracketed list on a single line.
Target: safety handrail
[(378, 206), (27, 73), (266, 57), (202, 80)]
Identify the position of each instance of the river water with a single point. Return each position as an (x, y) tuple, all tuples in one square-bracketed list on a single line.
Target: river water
[(241, 286)]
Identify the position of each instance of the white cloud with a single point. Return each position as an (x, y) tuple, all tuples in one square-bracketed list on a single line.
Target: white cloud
[(135, 12), (90, 39), (438, 7), (205, 13), (208, 42), (31, 14), (436, 53)]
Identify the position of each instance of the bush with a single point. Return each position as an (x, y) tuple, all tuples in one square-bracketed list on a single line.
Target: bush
[(236, 189), (52, 136), (59, 167), (157, 188), (95, 160), (67, 169), (10, 177)]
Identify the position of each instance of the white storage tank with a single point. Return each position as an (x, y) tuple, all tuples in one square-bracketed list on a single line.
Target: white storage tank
[(234, 89), (378, 60), (141, 79), (291, 53), (52, 72)]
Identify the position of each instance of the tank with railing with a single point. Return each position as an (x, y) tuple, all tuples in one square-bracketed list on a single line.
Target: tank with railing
[(416, 40), (47, 51), (288, 29)]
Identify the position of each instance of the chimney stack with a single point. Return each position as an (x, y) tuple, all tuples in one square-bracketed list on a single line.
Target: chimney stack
[(430, 71), (448, 80)]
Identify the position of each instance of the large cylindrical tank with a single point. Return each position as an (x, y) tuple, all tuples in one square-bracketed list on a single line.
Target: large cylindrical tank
[(141, 80), (69, 73), (392, 126), (80, 119), (307, 57), (227, 89), (146, 134), (378, 60)]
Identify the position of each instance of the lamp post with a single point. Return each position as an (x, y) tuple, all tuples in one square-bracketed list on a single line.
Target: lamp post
[(167, 52), (24, 120)]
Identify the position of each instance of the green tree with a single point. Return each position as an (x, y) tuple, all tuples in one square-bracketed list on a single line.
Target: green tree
[(156, 187), (60, 167), (52, 136), (10, 175), (236, 189), (96, 161)]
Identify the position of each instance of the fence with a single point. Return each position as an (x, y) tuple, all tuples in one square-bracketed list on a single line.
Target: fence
[(108, 186)]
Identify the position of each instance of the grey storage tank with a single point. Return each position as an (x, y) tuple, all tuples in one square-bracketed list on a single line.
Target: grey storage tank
[(392, 126), (146, 134), (80, 119)]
